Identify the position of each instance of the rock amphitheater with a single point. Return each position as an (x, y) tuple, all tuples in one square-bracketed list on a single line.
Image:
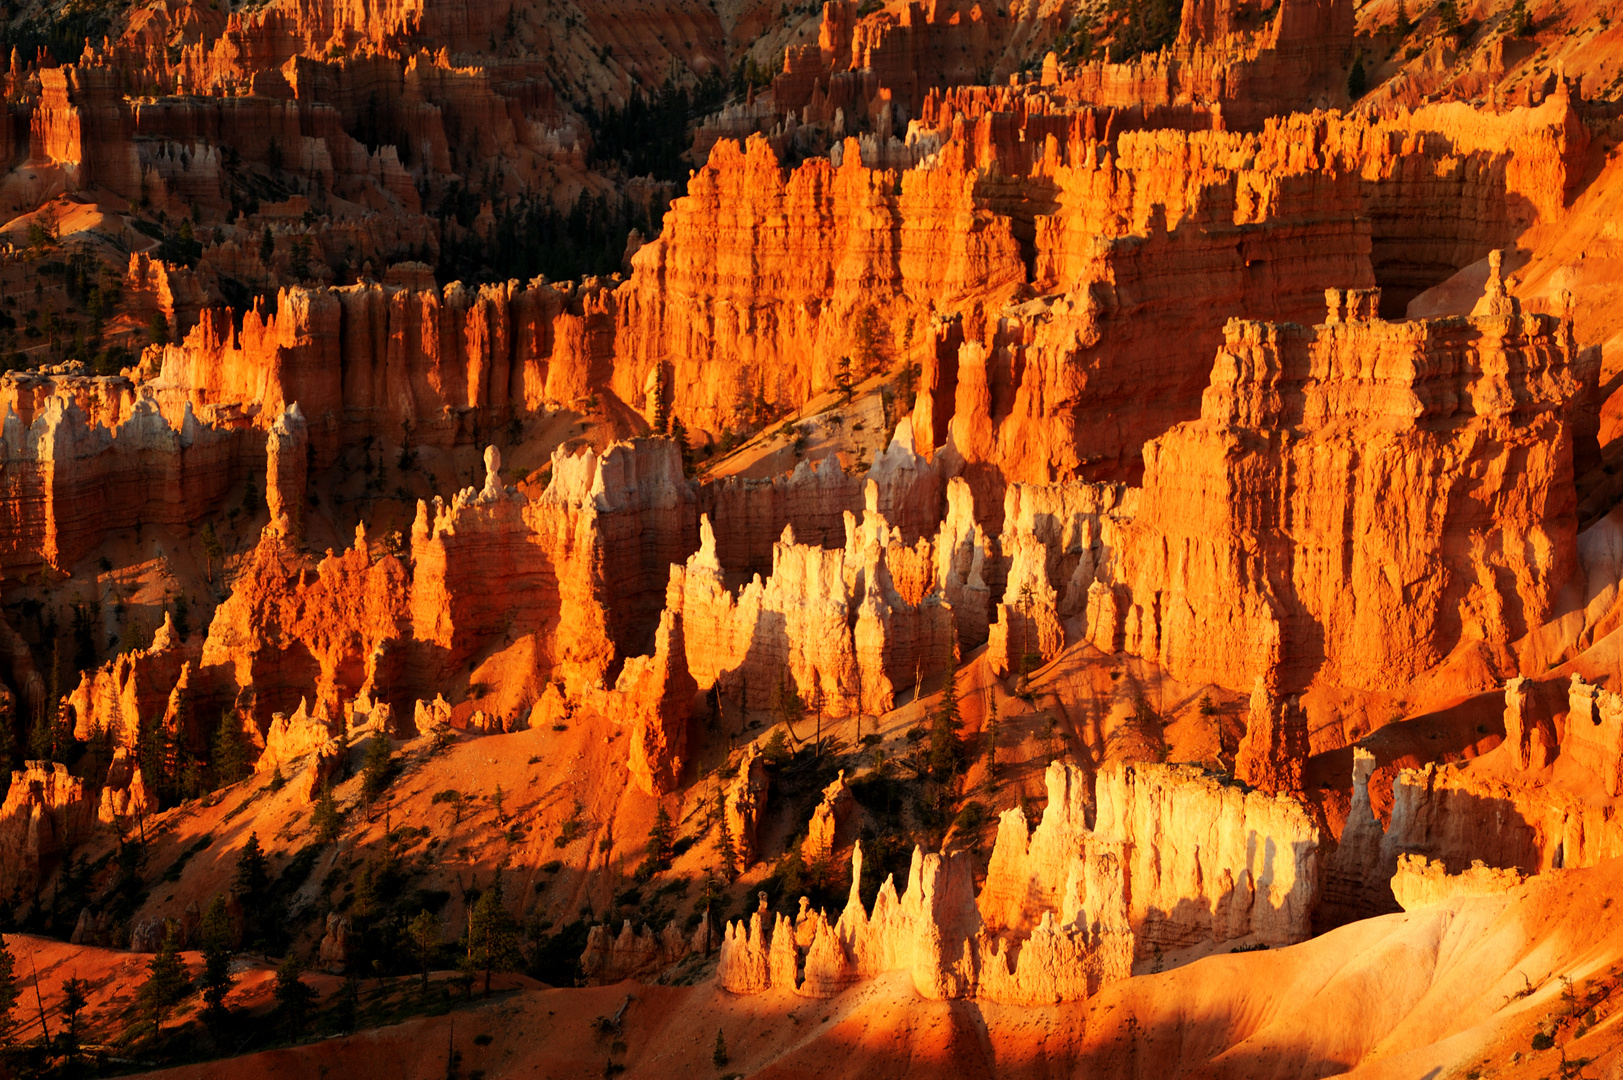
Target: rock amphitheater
[(881, 538)]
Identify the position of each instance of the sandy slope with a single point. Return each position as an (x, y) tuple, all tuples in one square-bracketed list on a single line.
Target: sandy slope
[(1433, 993)]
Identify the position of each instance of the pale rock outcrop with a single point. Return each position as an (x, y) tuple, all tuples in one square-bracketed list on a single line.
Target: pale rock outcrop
[(1208, 861), (831, 821), (135, 684), (1057, 541), (657, 694), (964, 557), (334, 952), (1357, 884), (1274, 750), (125, 794), (1529, 724), (744, 804), (798, 623), (292, 737), (1420, 882), (611, 958), (1174, 858), (287, 472), (45, 814), (1593, 739)]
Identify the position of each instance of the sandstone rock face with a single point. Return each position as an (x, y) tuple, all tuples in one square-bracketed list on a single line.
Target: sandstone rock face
[(286, 472), (750, 515), (1275, 747), (744, 804), (1173, 858), (831, 821), (1350, 418), (66, 479), (133, 685), (611, 958), (798, 624), (1057, 541), (1593, 739), (1196, 860), (1420, 882), (333, 954), (45, 814), (1529, 725), (659, 692), (292, 635)]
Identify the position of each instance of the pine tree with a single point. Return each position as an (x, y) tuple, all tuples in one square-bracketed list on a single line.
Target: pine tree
[(326, 817), (492, 933), (1520, 20), (379, 767), (250, 884), (1357, 81), (228, 754), (726, 851), (944, 727), (267, 246), (1448, 16), (168, 983), (424, 932), (1404, 24), (661, 839), (212, 551), (9, 990), (718, 1056), (293, 995), (75, 996), (216, 934), (786, 701)]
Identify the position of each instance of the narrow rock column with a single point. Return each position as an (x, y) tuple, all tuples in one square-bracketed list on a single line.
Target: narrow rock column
[(287, 472)]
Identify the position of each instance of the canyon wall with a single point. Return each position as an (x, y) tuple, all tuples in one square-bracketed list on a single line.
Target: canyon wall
[(1359, 499)]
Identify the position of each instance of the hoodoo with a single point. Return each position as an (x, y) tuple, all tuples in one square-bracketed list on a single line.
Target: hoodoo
[(872, 538)]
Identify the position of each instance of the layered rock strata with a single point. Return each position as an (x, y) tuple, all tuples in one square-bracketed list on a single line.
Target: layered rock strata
[(1426, 469)]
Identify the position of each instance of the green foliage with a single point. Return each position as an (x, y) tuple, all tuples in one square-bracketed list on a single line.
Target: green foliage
[(326, 818), (842, 378), (168, 983), (786, 702), (492, 933), (75, 996), (9, 990), (293, 996), (229, 753), (267, 246), (719, 1055), (216, 940), (1519, 23), (1143, 26), (870, 336), (212, 551), (726, 850), (1402, 25), (776, 754), (1357, 81), (660, 847), (945, 750), (424, 932), (648, 135), (250, 884), (379, 768), (1448, 16)]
